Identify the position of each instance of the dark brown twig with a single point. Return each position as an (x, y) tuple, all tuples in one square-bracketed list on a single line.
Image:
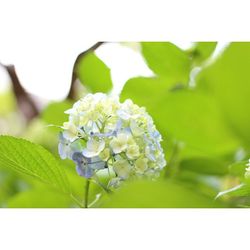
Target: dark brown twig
[(24, 101), (71, 94)]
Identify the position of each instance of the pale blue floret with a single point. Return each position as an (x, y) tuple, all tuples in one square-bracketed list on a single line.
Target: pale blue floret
[(86, 172), (66, 148), (86, 166), (155, 134)]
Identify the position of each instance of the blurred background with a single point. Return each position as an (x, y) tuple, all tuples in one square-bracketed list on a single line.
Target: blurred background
[(196, 92)]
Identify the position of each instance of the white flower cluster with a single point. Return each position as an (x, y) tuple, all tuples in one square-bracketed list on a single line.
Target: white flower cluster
[(103, 133), (247, 174)]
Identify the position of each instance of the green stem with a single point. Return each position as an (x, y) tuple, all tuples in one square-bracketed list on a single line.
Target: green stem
[(86, 198)]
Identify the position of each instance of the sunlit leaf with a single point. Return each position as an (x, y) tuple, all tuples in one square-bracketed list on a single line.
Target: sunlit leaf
[(167, 60), (54, 112), (34, 160), (94, 74), (152, 88), (39, 198), (228, 79), (189, 116), (202, 51), (150, 194)]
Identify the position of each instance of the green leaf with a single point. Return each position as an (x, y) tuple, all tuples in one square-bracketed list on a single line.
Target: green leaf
[(34, 160), (228, 80), (202, 51), (94, 74), (194, 118), (54, 112), (240, 190), (38, 132), (167, 60), (185, 115), (159, 194), (204, 165), (39, 198), (152, 87)]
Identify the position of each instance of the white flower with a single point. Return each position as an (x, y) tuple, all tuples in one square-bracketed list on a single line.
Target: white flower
[(103, 133), (122, 168), (141, 165), (94, 148), (136, 130), (133, 151), (120, 143), (70, 131)]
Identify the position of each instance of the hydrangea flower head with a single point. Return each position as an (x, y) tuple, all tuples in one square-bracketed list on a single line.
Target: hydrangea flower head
[(103, 133)]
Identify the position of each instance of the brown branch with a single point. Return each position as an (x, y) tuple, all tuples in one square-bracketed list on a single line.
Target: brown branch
[(71, 94), (25, 104)]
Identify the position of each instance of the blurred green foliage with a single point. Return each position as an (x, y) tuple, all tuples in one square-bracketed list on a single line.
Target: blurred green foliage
[(54, 113), (203, 118), (201, 51), (93, 73), (149, 194), (227, 80), (167, 60)]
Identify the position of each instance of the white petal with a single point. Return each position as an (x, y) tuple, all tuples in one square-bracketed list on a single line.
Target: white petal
[(123, 114), (89, 154)]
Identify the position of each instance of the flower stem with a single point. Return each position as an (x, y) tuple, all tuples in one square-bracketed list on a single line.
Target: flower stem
[(86, 198)]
